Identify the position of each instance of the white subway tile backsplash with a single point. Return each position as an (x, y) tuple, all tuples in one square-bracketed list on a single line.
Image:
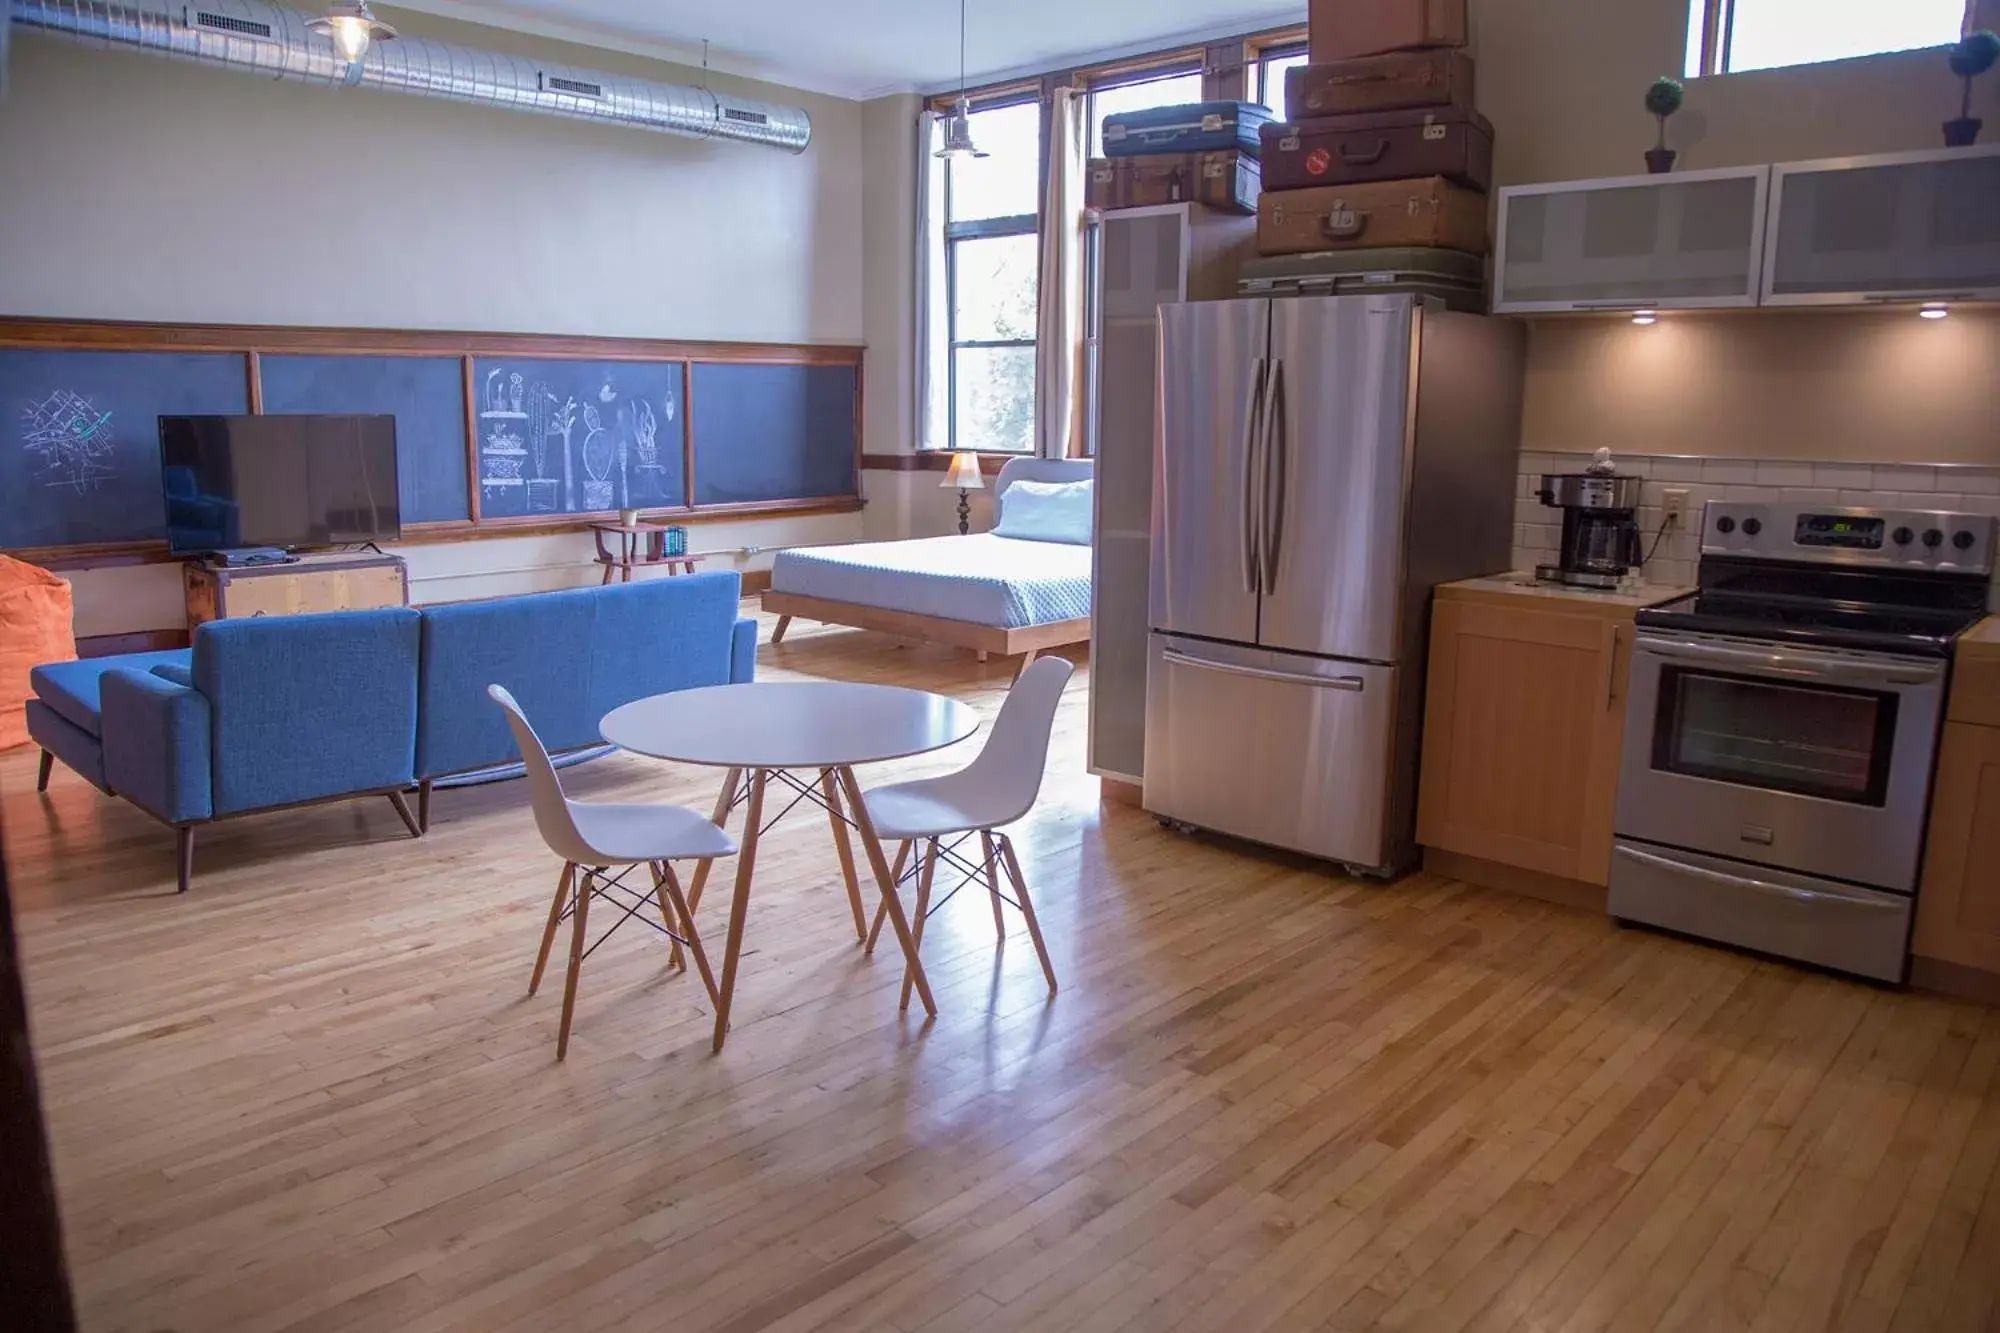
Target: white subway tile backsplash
[(1676, 469), (1893, 477), (1785, 474), (1811, 495), (1844, 476), (1729, 472), (1861, 499), (1971, 480)]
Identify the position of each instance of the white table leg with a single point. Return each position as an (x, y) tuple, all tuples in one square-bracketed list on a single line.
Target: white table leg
[(880, 865), (746, 861)]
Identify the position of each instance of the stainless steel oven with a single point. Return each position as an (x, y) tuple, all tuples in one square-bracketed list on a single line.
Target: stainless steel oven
[(1814, 759)]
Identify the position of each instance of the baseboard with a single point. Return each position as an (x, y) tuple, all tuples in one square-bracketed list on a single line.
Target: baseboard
[(1955, 979), (1113, 792), (1555, 889)]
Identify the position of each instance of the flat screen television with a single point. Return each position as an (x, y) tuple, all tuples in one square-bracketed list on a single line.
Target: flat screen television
[(285, 481)]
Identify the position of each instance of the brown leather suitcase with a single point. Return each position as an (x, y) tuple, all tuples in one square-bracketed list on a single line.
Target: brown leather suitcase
[(1384, 145), (1346, 217), (1405, 79), (1340, 29), (1226, 181)]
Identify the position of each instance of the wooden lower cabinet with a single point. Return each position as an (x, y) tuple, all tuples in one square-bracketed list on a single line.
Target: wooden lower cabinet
[(1958, 905), (311, 584), (1523, 728)]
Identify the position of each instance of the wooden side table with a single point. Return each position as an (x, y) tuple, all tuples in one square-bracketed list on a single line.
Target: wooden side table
[(640, 546)]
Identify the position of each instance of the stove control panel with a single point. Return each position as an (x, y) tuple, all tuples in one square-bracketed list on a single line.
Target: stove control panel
[(1881, 538)]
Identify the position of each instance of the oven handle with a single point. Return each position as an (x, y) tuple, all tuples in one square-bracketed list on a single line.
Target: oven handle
[(1790, 664), (1743, 882)]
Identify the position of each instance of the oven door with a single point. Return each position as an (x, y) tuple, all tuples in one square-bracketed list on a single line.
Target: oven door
[(1810, 759)]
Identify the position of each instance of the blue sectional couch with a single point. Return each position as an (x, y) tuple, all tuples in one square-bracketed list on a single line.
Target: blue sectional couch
[(280, 711)]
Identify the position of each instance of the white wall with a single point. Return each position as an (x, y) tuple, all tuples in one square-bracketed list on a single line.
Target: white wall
[(134, 187)]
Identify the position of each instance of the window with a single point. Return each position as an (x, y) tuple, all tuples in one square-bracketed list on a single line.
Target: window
[(1732, 36), (1168, 88), (1271, 66), (992, 251)]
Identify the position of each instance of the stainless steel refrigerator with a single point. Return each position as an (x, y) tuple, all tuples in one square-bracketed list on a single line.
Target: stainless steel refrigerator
[(1320, 465)]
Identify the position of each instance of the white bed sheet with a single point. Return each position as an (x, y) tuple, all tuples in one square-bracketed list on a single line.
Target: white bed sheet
[(984, 579)]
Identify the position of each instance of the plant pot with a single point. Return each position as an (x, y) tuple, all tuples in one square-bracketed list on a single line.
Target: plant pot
[(628, 518), (1660, 161), (1962, 132)]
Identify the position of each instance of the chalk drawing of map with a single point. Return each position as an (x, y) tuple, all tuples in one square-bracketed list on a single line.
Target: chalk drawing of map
[(73, 438)]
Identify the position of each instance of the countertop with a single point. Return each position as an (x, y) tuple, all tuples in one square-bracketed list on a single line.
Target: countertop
[(1523, 589), (1981, 642)]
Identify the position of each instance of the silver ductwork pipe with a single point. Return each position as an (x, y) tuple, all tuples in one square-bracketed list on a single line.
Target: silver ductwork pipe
[(273, 41)]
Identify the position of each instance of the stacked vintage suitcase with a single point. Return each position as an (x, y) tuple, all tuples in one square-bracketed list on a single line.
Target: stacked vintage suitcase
[(1378, 180), (1203, 152)]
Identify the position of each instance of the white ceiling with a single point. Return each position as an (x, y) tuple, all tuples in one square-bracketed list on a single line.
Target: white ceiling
[(868, 48)]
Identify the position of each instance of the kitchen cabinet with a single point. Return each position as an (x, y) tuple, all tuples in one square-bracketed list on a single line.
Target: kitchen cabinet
[(1691, 239), (1891, 227), (1958, 902), (1524, 720)]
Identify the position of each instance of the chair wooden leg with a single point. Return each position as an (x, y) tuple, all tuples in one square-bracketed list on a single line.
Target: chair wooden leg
[(887, 884), (990, 859), (831, 795), (746, 863), (42, 776), (403, 809), (184, 846), (778, 633), (1028, 910), (549, 931), (675, 958), (922, 914), (882, 908), (672, 885), (578, 923), (721, 820), (1027, 660), (424, 805)]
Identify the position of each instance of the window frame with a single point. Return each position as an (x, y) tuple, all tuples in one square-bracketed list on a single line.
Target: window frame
[(1718, 29), (1259, 52)]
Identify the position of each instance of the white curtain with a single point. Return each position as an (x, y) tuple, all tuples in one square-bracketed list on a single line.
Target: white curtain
[(1059, 318), (933, 379)]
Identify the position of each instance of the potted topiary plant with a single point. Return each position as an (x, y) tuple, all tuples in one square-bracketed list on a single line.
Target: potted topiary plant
[(1662, 100), (1974, 54)]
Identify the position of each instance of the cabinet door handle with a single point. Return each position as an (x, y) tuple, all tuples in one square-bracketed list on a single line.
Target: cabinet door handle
[(1611, 668)]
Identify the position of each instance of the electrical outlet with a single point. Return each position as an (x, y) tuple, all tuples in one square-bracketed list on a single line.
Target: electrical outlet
[(1673, 505)]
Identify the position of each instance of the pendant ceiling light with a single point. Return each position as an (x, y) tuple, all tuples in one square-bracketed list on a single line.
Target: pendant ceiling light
[(958, 125), (352, 27)]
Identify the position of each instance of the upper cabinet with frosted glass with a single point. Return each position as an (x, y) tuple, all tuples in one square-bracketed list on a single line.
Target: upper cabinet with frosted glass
[(1896, 227), (1691, 239)]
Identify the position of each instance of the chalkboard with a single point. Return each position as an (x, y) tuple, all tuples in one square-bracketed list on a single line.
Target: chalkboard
[(80, 438), (426, 395), (773, 432), (578, 437)]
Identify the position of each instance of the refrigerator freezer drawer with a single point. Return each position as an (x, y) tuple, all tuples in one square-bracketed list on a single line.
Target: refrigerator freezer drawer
[(1773, 911), (1272, 747)]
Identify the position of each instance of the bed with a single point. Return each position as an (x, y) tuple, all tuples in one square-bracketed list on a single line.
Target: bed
[(988, 592)]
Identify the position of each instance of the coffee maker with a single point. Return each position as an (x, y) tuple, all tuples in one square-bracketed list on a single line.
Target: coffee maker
[(1600, 533)]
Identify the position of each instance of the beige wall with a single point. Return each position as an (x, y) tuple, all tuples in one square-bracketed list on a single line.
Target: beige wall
[(1847, 386), (133, 187)]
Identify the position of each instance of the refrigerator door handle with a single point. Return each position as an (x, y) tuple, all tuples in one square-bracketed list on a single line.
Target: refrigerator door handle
[(1352, 684), (1277, 466), (1253, 411)]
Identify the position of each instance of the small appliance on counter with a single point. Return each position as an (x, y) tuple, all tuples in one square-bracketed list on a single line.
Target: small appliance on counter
[(1781, 726), (1600, 536)]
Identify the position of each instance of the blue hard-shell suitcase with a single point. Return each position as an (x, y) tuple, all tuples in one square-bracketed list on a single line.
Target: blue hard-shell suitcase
[(1195, 127)]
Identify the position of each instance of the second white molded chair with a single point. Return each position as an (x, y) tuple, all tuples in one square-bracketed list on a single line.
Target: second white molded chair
[(592, 838), (998, 787)]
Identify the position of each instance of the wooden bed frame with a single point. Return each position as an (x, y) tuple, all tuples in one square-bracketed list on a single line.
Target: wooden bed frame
[(1027, 640)]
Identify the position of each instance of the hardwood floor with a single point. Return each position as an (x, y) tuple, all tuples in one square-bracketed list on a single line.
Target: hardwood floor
[(312, 1095)]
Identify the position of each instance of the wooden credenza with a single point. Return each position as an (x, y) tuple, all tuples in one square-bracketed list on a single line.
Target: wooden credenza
[(311, 584)]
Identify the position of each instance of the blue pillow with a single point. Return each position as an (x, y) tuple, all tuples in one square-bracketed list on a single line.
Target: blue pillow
[(1046, 511)]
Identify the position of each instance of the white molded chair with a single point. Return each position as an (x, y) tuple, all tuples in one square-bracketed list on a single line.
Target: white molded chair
[(998, 787), (592, 838)]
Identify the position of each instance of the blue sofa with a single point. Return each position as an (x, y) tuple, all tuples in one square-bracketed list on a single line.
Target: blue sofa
[(265, 713)]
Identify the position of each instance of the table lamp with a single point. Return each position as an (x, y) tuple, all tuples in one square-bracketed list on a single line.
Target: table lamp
[(964, 474)]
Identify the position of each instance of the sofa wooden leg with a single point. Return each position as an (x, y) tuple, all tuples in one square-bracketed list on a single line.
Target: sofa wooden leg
[(42, 778), (184, 845), (424, 805), (403, 809), (778, 634)]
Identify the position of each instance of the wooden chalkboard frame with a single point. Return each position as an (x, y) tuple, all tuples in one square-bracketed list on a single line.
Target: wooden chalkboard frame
[(252, 342)]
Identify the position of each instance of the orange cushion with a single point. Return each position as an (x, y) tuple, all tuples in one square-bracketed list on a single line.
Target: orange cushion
[(35, 627)]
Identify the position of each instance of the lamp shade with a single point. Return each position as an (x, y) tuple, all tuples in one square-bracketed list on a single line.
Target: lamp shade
[(964, 473)]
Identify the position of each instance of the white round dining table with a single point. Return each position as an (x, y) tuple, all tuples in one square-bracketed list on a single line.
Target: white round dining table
[(760, 732)]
